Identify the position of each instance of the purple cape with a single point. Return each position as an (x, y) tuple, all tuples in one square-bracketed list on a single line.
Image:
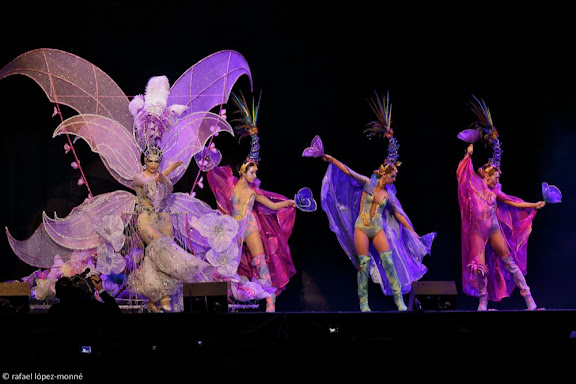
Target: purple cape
[(341, 197)]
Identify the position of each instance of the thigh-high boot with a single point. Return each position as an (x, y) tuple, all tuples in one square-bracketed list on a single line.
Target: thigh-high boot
[(392, 276), (259, 261), (482, 281), (519, 280), (362, 279)]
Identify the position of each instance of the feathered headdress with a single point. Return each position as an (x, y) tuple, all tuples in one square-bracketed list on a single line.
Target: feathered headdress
[(483, 129), (247, 127), (151, 117), (382, 127)]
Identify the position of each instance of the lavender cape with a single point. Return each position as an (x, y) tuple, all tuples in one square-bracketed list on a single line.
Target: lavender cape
[(515, 224), (340, 199), (277, 225)]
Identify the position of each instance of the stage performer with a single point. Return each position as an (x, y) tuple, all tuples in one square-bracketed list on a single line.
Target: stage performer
[(495, 226), (369, 221), (269, 217), (150, 243), (166, 266)]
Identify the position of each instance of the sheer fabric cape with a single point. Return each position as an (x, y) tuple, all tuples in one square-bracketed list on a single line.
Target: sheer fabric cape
[(276, 225), (340, 199), (515, 224)]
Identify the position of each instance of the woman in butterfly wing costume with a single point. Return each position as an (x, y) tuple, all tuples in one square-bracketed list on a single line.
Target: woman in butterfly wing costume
[(105, 122), (495, 226), (369, 221)]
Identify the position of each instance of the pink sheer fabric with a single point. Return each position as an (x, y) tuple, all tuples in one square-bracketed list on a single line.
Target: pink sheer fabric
[(275, 228), (477, 202)]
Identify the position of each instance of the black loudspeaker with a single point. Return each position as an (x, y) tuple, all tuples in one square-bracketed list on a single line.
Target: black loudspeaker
[(14, 297), (432, 295), (206, 297)]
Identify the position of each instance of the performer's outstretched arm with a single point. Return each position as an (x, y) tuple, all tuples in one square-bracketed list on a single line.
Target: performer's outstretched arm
[(274, 205), (520, 204), (337, 163)]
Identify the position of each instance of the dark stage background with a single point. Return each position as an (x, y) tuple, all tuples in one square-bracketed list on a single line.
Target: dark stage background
[(316, 65)]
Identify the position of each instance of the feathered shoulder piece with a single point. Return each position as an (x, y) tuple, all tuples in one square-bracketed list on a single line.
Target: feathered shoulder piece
[(383, 127)]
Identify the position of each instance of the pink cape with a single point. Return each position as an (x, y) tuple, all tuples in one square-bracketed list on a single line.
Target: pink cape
[(277, 225), (515, 224)]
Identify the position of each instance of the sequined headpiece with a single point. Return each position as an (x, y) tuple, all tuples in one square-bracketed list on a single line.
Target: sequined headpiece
[(382, 127), (152, 117), (153, 153), (247, 127), (487, 130)]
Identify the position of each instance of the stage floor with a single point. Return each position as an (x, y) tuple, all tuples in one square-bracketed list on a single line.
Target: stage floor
[(454, 346)]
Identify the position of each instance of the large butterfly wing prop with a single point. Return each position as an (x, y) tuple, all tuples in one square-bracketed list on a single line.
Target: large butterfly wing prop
[(62, 236), (192, 133), (209, 82), (76, 231), (116, 146), (70, 80), (39, 249)]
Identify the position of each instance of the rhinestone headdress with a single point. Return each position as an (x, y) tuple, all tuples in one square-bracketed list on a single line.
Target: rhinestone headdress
[(152, 117)]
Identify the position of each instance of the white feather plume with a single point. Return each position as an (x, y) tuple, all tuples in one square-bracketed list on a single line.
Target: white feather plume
[(156, 98), (136, 105)]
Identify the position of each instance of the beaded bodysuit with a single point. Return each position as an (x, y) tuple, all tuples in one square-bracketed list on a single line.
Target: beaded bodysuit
[(239, 212), (370, 219)]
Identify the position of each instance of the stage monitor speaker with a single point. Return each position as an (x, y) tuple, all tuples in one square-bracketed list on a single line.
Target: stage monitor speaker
[(432, 295), (14, 297), (206, 297)]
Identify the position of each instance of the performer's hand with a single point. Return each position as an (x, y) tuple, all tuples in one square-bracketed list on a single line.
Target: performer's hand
[(160, 178), (539, 204), (327, 158), (290, 203), (173, 165), (470, 150)]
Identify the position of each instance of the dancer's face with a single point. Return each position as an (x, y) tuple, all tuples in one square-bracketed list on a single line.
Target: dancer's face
[(391, 177), (492, 179), (250, 174), (152, 164)]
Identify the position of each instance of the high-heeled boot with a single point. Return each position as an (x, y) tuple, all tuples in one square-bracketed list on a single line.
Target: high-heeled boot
[(392, 276), (520, 281), (482, 281), (259, 261), (271, 303), (362, 280)]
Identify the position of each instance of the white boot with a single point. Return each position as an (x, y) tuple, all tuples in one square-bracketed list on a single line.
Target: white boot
[(520, 281)]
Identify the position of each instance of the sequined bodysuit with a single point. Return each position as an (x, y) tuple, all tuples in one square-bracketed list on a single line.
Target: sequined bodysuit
[(370, 222), (239, 212), (369, 219)]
